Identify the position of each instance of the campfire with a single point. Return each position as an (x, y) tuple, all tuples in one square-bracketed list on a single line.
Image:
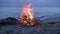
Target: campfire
[(27, 16)]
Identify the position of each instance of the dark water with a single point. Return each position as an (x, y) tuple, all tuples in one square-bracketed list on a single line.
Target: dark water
[(38, 12)]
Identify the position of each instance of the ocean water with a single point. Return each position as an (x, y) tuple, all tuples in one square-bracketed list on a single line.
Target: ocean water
[(47, 12)]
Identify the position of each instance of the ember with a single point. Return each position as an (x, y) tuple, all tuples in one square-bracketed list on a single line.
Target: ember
[(27, 17)]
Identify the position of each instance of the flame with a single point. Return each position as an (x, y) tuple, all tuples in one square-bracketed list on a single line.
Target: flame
[(27, 14), (27, 10)]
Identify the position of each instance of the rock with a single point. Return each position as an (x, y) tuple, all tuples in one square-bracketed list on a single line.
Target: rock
[(51, 23), (9, 21), (58, 21)]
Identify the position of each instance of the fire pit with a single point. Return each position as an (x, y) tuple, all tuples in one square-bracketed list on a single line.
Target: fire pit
[(27, 16)]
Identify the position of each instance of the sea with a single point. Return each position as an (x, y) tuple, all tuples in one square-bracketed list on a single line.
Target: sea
[(47, 12)]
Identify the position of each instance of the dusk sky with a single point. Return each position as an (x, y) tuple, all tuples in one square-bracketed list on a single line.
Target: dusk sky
[(36, 3)]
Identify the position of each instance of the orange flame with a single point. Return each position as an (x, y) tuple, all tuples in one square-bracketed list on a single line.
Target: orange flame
[(27, 14), (27, 10)]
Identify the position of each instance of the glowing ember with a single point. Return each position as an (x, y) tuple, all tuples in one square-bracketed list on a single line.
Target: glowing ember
[(27, 17)]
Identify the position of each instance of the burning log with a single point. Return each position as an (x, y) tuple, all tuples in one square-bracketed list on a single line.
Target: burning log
[(30, 22), (27, 17)]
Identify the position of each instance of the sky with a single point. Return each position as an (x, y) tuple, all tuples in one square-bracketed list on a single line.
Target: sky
[(35, 3)]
